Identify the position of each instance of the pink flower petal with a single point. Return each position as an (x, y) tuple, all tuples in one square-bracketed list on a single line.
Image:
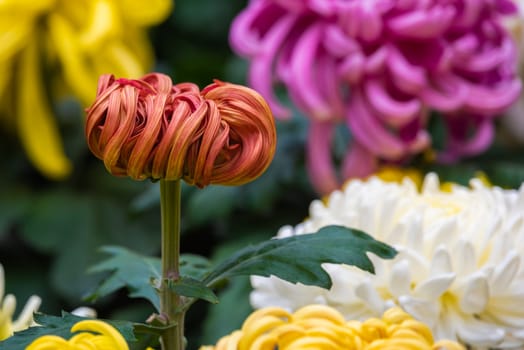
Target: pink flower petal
[(469, 15), (243, 37), (304, 87), (369, 132), (352, 68), (487, 60), (376, 61), (459, 144), (373, 27), (422, 24), (337, 43), (358, 162), (487, 100), (394, 112), (405, 76), (319, 162), (446, 93), (261, 68)]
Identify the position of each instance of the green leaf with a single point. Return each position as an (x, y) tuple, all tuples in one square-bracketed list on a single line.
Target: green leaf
[(298, 259), (195, 266), (192, 288), (59, 326), (130, 270), (135, 271)]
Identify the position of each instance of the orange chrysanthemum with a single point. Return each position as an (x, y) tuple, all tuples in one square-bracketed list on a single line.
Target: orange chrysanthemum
[(150, 128)]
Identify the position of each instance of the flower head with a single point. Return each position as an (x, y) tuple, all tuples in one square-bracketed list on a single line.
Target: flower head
[(380, 67), (459, 268), (90, 334), (7, 308), (73, 43), (315, 327), (150, 128)]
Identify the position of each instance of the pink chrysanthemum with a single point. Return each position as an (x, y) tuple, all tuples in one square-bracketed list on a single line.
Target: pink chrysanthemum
[(380, 67)]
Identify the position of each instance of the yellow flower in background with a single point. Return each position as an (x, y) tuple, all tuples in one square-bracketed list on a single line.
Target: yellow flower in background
[(72, 43), (398, 174), (90, 334), (320, 327), (7, 308)]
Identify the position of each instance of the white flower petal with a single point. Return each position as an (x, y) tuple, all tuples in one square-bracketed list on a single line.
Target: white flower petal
[(476, 295), (433, 287), (400, 280), (480, 334), (441, 262), (422, 310), (505, 272), (369, 295), (464, 257)]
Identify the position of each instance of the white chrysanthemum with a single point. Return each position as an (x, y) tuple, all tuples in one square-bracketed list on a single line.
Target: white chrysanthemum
[(7, 309), (459, 266)]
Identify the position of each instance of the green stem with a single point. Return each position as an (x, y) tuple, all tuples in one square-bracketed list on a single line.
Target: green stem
[(172, 339)]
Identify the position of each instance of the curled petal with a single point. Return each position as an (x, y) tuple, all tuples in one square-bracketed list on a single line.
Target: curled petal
[(251, 143), (359, 162), (319, 162), (351, 68), (446, 93), (406, 76), (304, 86), (461, 144), (393, 112), (337, 43), (494, 99), (369, 132), (487, 60), (245, 36), (423, 24), (148, 128), (262, 65)]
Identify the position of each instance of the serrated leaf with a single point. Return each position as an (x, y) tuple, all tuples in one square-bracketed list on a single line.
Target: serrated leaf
[(192, 288), (59, 326), (135, 271), (298, 259), (130, 270)]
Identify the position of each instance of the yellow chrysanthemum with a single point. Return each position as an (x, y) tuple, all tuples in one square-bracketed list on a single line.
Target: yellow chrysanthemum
[(320, 327), (398, 174), (73, 42), (90, 334), (7, 308)]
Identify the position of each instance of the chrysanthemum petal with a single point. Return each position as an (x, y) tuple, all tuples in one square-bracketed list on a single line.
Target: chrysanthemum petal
[(37, 128)]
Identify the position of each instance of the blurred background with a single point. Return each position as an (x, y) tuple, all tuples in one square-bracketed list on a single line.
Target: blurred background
[(50, 230)]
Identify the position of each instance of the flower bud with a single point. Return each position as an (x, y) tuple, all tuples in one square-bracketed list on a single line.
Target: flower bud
[(150, 128)]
